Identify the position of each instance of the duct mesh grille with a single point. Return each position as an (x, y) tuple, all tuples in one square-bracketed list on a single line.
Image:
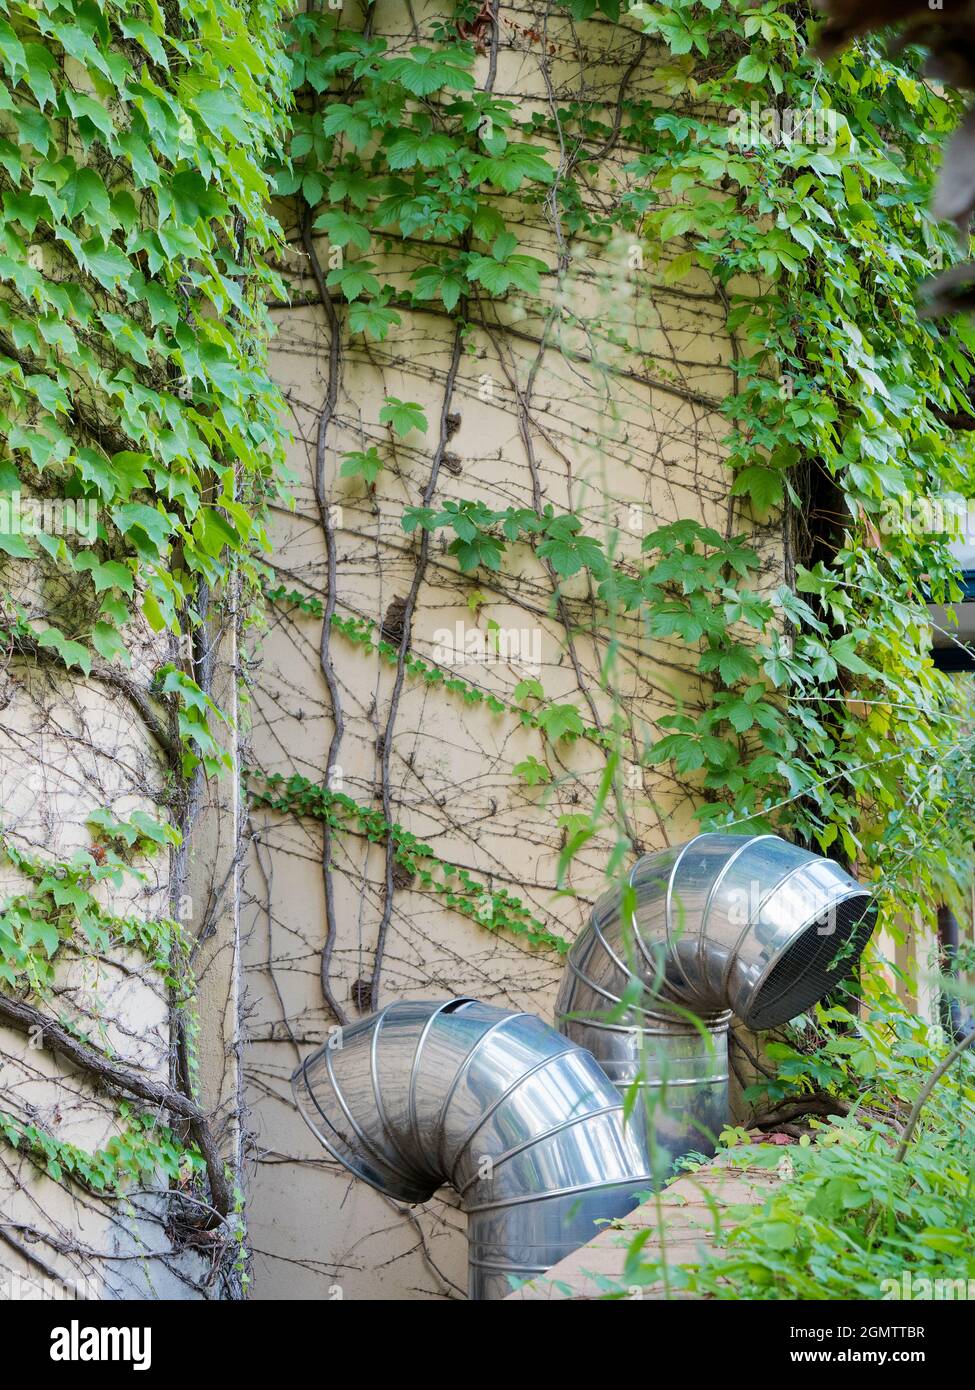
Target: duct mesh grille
[(813, 964)]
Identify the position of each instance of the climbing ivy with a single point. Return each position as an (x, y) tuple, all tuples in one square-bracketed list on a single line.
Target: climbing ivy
[(62, 909), (556, 721), (494, 908), (62, 906), (139, 1153), (143, 442), (406, 142), (827, 718), (134, 230), (820, 248)]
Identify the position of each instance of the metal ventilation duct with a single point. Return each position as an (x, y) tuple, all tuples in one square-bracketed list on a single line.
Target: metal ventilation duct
[(525, 1123), (726, 924), (517, 1119)]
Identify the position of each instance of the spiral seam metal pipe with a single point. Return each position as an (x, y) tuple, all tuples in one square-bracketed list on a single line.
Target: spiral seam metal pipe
[(526, 1123)]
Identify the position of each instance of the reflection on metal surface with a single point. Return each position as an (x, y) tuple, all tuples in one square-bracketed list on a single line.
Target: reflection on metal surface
[(527, 1123), (517, 1119), (749, 925)]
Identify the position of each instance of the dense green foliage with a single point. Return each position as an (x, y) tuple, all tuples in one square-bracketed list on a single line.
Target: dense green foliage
[(134, 229), (407, 145), (828, 720), (851, 1219), (134, 234), (839, 378)]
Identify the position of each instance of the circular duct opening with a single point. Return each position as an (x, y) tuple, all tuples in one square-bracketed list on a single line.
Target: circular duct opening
[(343, 1139), (812, 964)]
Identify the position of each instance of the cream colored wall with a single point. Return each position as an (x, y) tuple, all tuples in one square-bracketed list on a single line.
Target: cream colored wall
[(636, 428), (68, 746)]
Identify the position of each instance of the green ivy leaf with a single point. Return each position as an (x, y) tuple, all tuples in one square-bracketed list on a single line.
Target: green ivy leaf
[(427, 71), (362, 464), (533, 772), (341, 230), (751, 68), (762, 486), (560, 721), (71, 653), (373, 318), (403, 416), (355, 279), (510, 170), (108, 643)]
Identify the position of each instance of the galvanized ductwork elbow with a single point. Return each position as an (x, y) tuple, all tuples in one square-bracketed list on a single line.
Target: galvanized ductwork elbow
[(526, 1123), (726, 924), (513, 1116)]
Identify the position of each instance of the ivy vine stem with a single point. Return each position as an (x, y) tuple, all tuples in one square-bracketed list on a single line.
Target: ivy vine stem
[(27, 1019), (323, 504)]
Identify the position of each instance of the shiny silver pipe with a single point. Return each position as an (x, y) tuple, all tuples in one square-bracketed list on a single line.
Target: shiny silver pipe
[(516, 1118), (726, 924), (526, 1123)]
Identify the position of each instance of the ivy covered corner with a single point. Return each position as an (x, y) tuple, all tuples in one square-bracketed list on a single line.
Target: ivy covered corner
[(455, 453)]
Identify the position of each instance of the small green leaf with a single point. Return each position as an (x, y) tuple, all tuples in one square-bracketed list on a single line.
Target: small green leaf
[(367, 465), (402, 416), (532, 771)]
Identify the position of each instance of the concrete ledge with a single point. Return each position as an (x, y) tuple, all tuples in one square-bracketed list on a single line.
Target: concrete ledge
[(683, 1222)]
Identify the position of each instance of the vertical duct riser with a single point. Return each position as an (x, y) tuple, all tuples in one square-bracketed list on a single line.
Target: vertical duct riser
[(682, 1079), (723, 924)]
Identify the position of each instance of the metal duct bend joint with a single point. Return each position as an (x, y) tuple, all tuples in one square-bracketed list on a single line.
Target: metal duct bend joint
[(726, 924), (526, 1123), (497, 1105)]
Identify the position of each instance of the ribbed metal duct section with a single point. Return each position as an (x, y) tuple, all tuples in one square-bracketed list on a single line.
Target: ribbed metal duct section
[(497, 1105), (726, 924), (526, 1123)]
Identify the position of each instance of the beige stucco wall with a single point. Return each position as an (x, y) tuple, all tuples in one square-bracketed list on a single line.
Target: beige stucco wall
[(609, 431), (70, 745)]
